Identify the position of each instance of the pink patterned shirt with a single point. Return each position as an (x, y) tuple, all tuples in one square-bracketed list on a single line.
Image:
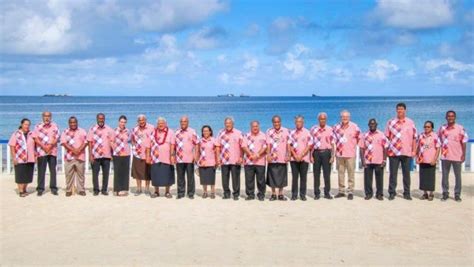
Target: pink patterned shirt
[(346, 139), (160, 146), (99, 139), (299, 140), (255, 143), (427, 146), (322, 137), (186, 140), (120, 140), (277, 140), (452, 139), (207, 152), (400, 134), (230, 143), (47, 134), (24, 147), (140, 136), (374, 144), (76, 139)]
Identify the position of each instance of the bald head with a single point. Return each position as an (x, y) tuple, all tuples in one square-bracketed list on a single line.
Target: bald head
[(184, 122)]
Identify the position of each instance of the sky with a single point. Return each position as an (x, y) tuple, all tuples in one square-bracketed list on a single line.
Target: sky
[(258, 48)]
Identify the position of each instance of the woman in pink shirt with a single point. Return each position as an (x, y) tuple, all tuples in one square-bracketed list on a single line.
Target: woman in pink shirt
[(121, 157), (206, 158), (427, 154), (22, 147)]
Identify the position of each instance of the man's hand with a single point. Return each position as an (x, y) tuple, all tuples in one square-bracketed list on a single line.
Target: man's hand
[(463, 158)]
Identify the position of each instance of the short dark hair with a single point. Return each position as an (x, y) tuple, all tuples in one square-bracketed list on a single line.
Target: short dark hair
[(276, 116), (23, 121), (100, 114), (122, 117), (72, 118), (401, 105), (204, 127), (374, 120), (451, 111), (429, 122)]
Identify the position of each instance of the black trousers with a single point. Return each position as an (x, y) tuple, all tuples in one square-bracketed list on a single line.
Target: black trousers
[(103, 163), (227, 171), (253, 173), (322, 160), (51, 162), (394, 164), (299, 170), (182, 170), (369, 177)]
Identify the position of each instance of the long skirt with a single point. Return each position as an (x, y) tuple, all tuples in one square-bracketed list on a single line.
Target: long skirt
[(277, 175), (207, 175), (24, 173), (427, 177), (162, 174), (140, 169), (121, 173)]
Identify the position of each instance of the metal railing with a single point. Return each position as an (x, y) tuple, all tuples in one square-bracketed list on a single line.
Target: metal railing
[(6, 164)]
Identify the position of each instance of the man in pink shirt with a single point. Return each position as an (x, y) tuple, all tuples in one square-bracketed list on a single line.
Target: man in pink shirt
[(323, 155), (186, 145), (74, 141), (278, 155), (346, 138), (453, 139), (401, 135), (373, 154), (46, 135), (255, 147), (140, 169), (100, 153), (231, 157), (301, 143)]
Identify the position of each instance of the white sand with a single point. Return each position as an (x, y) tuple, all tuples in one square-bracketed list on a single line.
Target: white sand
[(141, 231)]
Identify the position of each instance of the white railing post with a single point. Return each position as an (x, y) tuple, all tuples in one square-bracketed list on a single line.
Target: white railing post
[(334, 165), (1, 158), (440, 168), (387, 165), (87, 160), (9, 161), (471, 164), (357, 159), (63, 168)]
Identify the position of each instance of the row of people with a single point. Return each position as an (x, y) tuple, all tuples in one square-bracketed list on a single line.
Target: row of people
[(157, 151)]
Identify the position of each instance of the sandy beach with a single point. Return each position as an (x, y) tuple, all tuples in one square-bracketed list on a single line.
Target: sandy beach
[(138, 231)]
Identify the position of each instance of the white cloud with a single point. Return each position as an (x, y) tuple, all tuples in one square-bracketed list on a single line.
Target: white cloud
[(341, 74), (281, 35), (450, 70), (244, 74), (381, 69), (207, 38), (293, 63), (415, 14), (167, 48)]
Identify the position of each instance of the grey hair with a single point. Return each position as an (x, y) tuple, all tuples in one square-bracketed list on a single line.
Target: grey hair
[(299, 117), (141, 116), (161, 119), (254, 121), (322, 114), (345, 111), (229, 118)]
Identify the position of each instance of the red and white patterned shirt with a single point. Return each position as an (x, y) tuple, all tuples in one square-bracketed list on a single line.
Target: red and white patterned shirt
[(374, 144), (74, 138), (346, 139), (427, 146), (186, 140), (452, 138), (299, 140), (120, 140), (400, 135), (47, 134), (24, 147), (99, 139), (255, 143)]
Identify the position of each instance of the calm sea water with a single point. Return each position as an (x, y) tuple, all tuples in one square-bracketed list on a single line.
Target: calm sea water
[(212, 110)]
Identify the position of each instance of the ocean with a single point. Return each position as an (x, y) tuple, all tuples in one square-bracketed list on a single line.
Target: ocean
[(213, 110)]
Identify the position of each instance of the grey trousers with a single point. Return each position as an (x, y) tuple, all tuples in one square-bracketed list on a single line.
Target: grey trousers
[(446, 167)]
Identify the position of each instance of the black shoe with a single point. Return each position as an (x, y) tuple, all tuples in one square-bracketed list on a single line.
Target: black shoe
[(328, 196), (303, 198), (317, 197), (105, 193), (39, 193), (380, 197), (261, 198), (368, 197), (424, 197), (293, 198), (54, 192), (350, 197), (273, 198), (339, 195), (236, 197), (444, 197), (407, 197), (457, 198), (249, 198), (96, 193), (282, 198), (226, 197), (179, 196), (391, 197), (191, 197)]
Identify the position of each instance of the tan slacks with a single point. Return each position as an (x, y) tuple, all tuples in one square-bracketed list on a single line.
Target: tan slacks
[(75, 170), (344, 164)]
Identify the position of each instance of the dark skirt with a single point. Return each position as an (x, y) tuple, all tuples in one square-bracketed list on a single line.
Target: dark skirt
[(162, 174), (277, 175), (121, 173), (427, 177), (24, 173), (207, 175), (140, 169)]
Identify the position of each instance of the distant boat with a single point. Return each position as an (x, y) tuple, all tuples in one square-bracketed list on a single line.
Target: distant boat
[(226, 95), (56, 95), (243, 95), (314, 95)]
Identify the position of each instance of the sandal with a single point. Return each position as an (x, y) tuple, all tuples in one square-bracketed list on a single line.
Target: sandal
[(168, 195), (23, 194), (154, 195), (430, 197), (204, 195), (213, 195), (424, 197)]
